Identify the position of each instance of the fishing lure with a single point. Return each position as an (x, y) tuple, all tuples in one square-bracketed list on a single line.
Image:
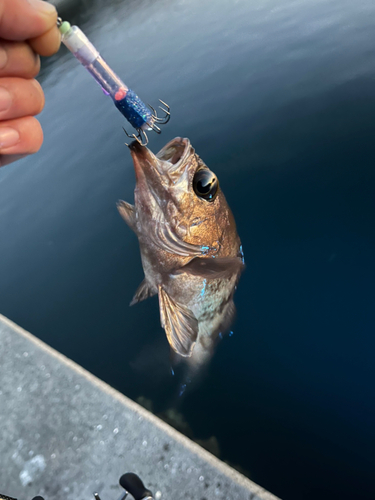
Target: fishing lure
[(143, 118)]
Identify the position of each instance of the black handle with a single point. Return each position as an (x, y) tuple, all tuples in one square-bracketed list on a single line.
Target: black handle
[(133, 484)]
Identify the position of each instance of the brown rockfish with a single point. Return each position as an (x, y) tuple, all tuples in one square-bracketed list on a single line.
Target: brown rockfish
[(191, 253)]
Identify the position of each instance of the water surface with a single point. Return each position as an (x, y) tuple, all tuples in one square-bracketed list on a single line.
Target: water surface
[(279, 101)]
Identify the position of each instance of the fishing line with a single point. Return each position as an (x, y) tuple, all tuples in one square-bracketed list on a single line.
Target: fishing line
[(143, 118)]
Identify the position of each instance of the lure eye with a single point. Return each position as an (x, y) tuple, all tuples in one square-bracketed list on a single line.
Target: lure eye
[(205, 184)]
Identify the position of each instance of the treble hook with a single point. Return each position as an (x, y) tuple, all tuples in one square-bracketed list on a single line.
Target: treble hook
[(154, 127), (141, 138), (162, 120)]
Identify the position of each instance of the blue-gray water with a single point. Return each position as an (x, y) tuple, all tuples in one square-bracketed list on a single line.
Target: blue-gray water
[(278, 98)]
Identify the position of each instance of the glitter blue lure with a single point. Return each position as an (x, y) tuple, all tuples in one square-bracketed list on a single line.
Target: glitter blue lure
[(143, 118)]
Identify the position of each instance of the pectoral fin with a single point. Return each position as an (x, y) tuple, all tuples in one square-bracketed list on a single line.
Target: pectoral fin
[(180, 324), (127, 212), (212, 268), (143, 292)]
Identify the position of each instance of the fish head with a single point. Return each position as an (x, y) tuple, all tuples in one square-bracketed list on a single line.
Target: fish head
[(176, 190)]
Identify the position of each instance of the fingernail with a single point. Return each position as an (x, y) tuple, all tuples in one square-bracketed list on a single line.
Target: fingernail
[(8, 137), (43, 7), (5, 99)]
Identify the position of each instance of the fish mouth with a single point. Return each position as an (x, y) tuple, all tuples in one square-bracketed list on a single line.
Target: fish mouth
[(175, 152), (171, 156)]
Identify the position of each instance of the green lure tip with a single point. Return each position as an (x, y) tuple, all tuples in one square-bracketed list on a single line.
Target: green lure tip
[(65, 27)]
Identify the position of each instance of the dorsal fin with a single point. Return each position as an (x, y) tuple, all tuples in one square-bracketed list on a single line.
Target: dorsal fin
[(127, 212)]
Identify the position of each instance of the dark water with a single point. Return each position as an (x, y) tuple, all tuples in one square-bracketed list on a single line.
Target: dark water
[(278, 98)]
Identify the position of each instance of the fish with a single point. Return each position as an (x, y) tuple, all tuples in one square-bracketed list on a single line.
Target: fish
[(191, 253)]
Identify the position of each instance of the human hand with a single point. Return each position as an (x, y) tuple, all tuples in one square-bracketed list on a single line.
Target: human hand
[(27, 29)]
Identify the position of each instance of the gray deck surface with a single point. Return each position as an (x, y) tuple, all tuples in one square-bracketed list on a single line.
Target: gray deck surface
[(65, 434)]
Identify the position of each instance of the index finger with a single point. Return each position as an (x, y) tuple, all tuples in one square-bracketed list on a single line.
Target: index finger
[(24, 19)]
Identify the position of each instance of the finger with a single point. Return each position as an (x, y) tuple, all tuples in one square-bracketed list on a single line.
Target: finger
[(21, 136), (20, 97), (18, 59), (48, 43), (24, 19)]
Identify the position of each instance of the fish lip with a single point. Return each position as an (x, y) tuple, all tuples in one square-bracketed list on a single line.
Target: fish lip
[(171, 156), (141, 153), (143, 159)]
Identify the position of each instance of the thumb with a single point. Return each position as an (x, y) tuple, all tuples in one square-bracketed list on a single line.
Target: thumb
[(24, 19)]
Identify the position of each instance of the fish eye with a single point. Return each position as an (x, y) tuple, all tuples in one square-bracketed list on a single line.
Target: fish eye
[(205, 184)]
